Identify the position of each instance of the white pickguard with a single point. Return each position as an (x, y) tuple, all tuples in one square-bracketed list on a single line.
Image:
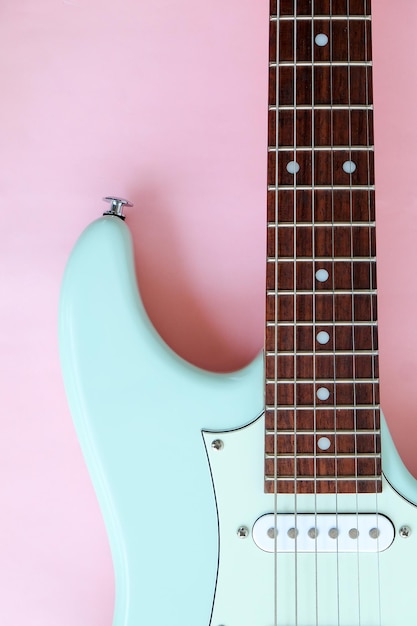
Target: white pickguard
[(323, 589)]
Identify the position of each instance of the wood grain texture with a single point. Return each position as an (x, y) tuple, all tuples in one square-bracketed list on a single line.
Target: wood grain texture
[(321, 218)]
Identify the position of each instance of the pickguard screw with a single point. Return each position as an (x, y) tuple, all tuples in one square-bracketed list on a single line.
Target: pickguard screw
[(405, 532), (243, 532), (217, 444)]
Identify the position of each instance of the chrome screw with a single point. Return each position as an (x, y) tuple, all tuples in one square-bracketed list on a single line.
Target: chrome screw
[(217, 444), (243, 532), (405, 532)]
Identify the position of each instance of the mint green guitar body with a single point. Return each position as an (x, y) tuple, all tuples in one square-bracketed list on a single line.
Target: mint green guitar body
[(173, 504)]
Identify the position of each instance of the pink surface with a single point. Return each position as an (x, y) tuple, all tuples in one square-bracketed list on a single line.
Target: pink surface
[(164, 103)]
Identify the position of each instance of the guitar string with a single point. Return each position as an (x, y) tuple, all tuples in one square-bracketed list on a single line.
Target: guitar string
[(336, 470), (276, 329), (313, 279), (368, 57), (355, 410), (295, 317)]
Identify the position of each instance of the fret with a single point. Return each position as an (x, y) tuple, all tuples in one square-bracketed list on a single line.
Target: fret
[(270, 381), (322, 107), (322, 418), (335, 128), (349, 41), (303, 338), (322, 456), (328, 241), (315, 148), (279, 324), (289, 275), (330, 84), (332, 188), (335, 307), (317, 17), (317, 432), (307, 443), (304, 7), (285, 393), (347, 64), (347, 259), (320, 223), (329, 485), (337, 366), (356, 441), (299, 406), (302, 353), (321, 168), (292, 204)]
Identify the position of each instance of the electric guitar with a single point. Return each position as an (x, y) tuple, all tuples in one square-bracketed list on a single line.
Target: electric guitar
[(259, 497)]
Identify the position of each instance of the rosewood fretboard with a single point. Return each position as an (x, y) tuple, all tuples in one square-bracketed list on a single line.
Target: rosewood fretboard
[(322, 404)]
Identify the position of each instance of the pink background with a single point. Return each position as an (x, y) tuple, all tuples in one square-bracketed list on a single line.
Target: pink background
[(165, 103)]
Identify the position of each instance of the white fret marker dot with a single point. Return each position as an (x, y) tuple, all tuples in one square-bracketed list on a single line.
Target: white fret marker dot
[(349, 167), (324, 443), (323, 337), (322, 275), (323, 393), (293, 167), (321, 39)]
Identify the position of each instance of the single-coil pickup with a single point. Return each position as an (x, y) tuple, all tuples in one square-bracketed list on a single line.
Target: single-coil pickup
[(323, 532)]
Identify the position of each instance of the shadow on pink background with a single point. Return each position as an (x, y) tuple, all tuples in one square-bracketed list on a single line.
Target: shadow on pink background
[(164, 103)]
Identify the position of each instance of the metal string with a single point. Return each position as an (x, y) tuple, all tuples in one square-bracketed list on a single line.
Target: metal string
[(353, 317), (313, 268), (295, 318), (334, 307), (372, 310), (276, 327)]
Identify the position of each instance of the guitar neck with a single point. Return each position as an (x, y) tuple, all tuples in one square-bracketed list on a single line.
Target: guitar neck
[(321, 363)]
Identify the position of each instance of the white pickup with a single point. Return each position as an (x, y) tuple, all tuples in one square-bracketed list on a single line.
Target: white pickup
[(323, 532)]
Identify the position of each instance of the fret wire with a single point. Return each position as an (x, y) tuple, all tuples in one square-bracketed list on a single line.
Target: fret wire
[(314, 324), (326, 353), (320, 187), (344, 455), (322, 18), (306, 292), (301, 148), (319, 431), (311, 381), (321, 107), (320, 258), (321, 223), (274, 64), (306, 407), (349, 477)]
